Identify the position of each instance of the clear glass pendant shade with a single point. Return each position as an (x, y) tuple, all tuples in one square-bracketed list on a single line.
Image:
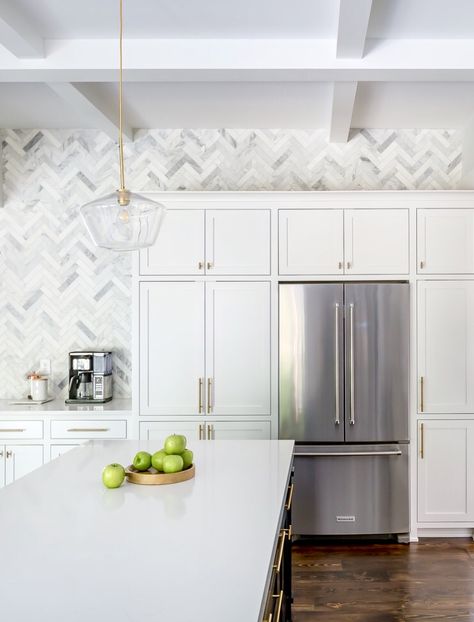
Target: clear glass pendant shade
[(123, 225)]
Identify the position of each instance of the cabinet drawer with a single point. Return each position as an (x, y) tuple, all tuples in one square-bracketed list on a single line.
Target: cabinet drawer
[(21, 430), (88, 429)]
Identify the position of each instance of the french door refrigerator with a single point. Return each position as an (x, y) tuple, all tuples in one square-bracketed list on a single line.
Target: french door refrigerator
[(344, 372)]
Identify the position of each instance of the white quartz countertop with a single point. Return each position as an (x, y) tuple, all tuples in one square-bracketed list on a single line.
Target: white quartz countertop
[(115, 407), (196, 551)]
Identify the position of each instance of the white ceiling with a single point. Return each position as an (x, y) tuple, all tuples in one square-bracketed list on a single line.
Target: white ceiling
[(258, 63)]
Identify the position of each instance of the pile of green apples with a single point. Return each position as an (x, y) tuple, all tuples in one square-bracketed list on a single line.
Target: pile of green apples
[(173, 458)]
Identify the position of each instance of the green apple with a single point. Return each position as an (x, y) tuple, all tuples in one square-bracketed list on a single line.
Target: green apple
[(172, 464), (113, 475), (187, 457), (175, 444), (142, 461), (157, 459)]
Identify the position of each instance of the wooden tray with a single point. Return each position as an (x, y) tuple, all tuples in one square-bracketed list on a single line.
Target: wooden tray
[(153, 478)]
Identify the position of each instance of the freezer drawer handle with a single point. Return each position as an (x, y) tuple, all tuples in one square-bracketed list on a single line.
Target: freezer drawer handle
[(351, 357), (336, 345), (351, 453)]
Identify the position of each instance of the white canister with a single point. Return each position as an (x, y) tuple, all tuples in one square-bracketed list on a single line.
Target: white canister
[(38, 388)]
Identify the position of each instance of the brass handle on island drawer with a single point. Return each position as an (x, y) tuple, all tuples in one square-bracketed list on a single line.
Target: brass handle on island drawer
[(279, 604), (89, 430), (282, 538), (289, 498), (12, 430)]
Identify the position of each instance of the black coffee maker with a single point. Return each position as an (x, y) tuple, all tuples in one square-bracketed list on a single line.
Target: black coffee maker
[(90, 377)]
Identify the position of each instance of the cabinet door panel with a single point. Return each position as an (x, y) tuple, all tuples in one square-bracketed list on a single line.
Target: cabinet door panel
[(21, 460), (179, 248), (238, 430), (238, 241), (159, 430), (238, 348), (376, 241), (445, 241), (58, 450), (445, 471), (446, 346), (171, 347), (311, 241)]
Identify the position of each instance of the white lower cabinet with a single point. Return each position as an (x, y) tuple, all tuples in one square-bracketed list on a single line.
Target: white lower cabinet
[(205, 430), (446, 471), (19, 460), (58, 450)]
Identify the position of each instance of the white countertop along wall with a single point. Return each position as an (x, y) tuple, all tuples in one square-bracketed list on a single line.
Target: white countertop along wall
[(122, 407), (199, 550)]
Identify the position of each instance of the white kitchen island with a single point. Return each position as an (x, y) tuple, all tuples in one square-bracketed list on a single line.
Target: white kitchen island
[(198, 551)]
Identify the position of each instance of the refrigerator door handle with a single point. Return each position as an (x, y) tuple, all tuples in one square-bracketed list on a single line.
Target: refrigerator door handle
[(351, 364), (350, 453), (337, 420)]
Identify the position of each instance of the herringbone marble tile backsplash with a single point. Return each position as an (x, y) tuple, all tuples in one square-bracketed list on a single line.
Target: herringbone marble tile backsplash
[(59, 292)]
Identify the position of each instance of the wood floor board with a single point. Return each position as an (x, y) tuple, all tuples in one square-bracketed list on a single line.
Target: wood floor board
[(431, 581)]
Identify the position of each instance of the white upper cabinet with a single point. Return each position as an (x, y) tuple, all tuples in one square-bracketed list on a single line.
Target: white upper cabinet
[(171, 348), (179, 248), (376, 241), (213, 242), (237, 242), (238, 348), (446, 346), (446, 471), (445, 241), (311, 241)]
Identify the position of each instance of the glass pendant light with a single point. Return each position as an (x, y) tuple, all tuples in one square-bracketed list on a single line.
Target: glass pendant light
[(123, 220)]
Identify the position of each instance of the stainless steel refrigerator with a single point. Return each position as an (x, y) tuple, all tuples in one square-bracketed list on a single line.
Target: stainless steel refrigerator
[(344, 372)]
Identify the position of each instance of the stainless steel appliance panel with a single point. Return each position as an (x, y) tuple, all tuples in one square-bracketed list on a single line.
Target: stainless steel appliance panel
[(311, 362), (351, 490), (377, 361)]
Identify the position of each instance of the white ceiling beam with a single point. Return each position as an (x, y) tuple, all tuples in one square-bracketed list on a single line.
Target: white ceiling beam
[(243, 60), (89, 106), (342, 106), (17, 34), (354, 18)]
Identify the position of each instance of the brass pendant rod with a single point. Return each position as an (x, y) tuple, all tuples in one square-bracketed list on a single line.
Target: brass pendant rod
[(122, 166)]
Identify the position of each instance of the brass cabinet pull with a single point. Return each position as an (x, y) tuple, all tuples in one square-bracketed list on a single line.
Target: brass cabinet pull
[(289, 499), (12, 430), (209, 265), (422, 397), (422, 265), (349, 265), (201, 431), (89, 430), (279, 605), (200, 265), (9, 454), (1, 454), (282, 538), (290, 532), (209, 393), (210, 432), (422, 441), (201, 380), (339, 265)]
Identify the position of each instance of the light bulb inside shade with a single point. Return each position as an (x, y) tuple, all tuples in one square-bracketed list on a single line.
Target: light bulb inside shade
[(113, 226)]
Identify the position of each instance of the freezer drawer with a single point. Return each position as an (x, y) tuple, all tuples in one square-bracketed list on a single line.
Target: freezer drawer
[(351, 489)]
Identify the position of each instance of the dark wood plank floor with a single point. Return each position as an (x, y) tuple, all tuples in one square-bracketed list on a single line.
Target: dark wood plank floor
[(430, 581)]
